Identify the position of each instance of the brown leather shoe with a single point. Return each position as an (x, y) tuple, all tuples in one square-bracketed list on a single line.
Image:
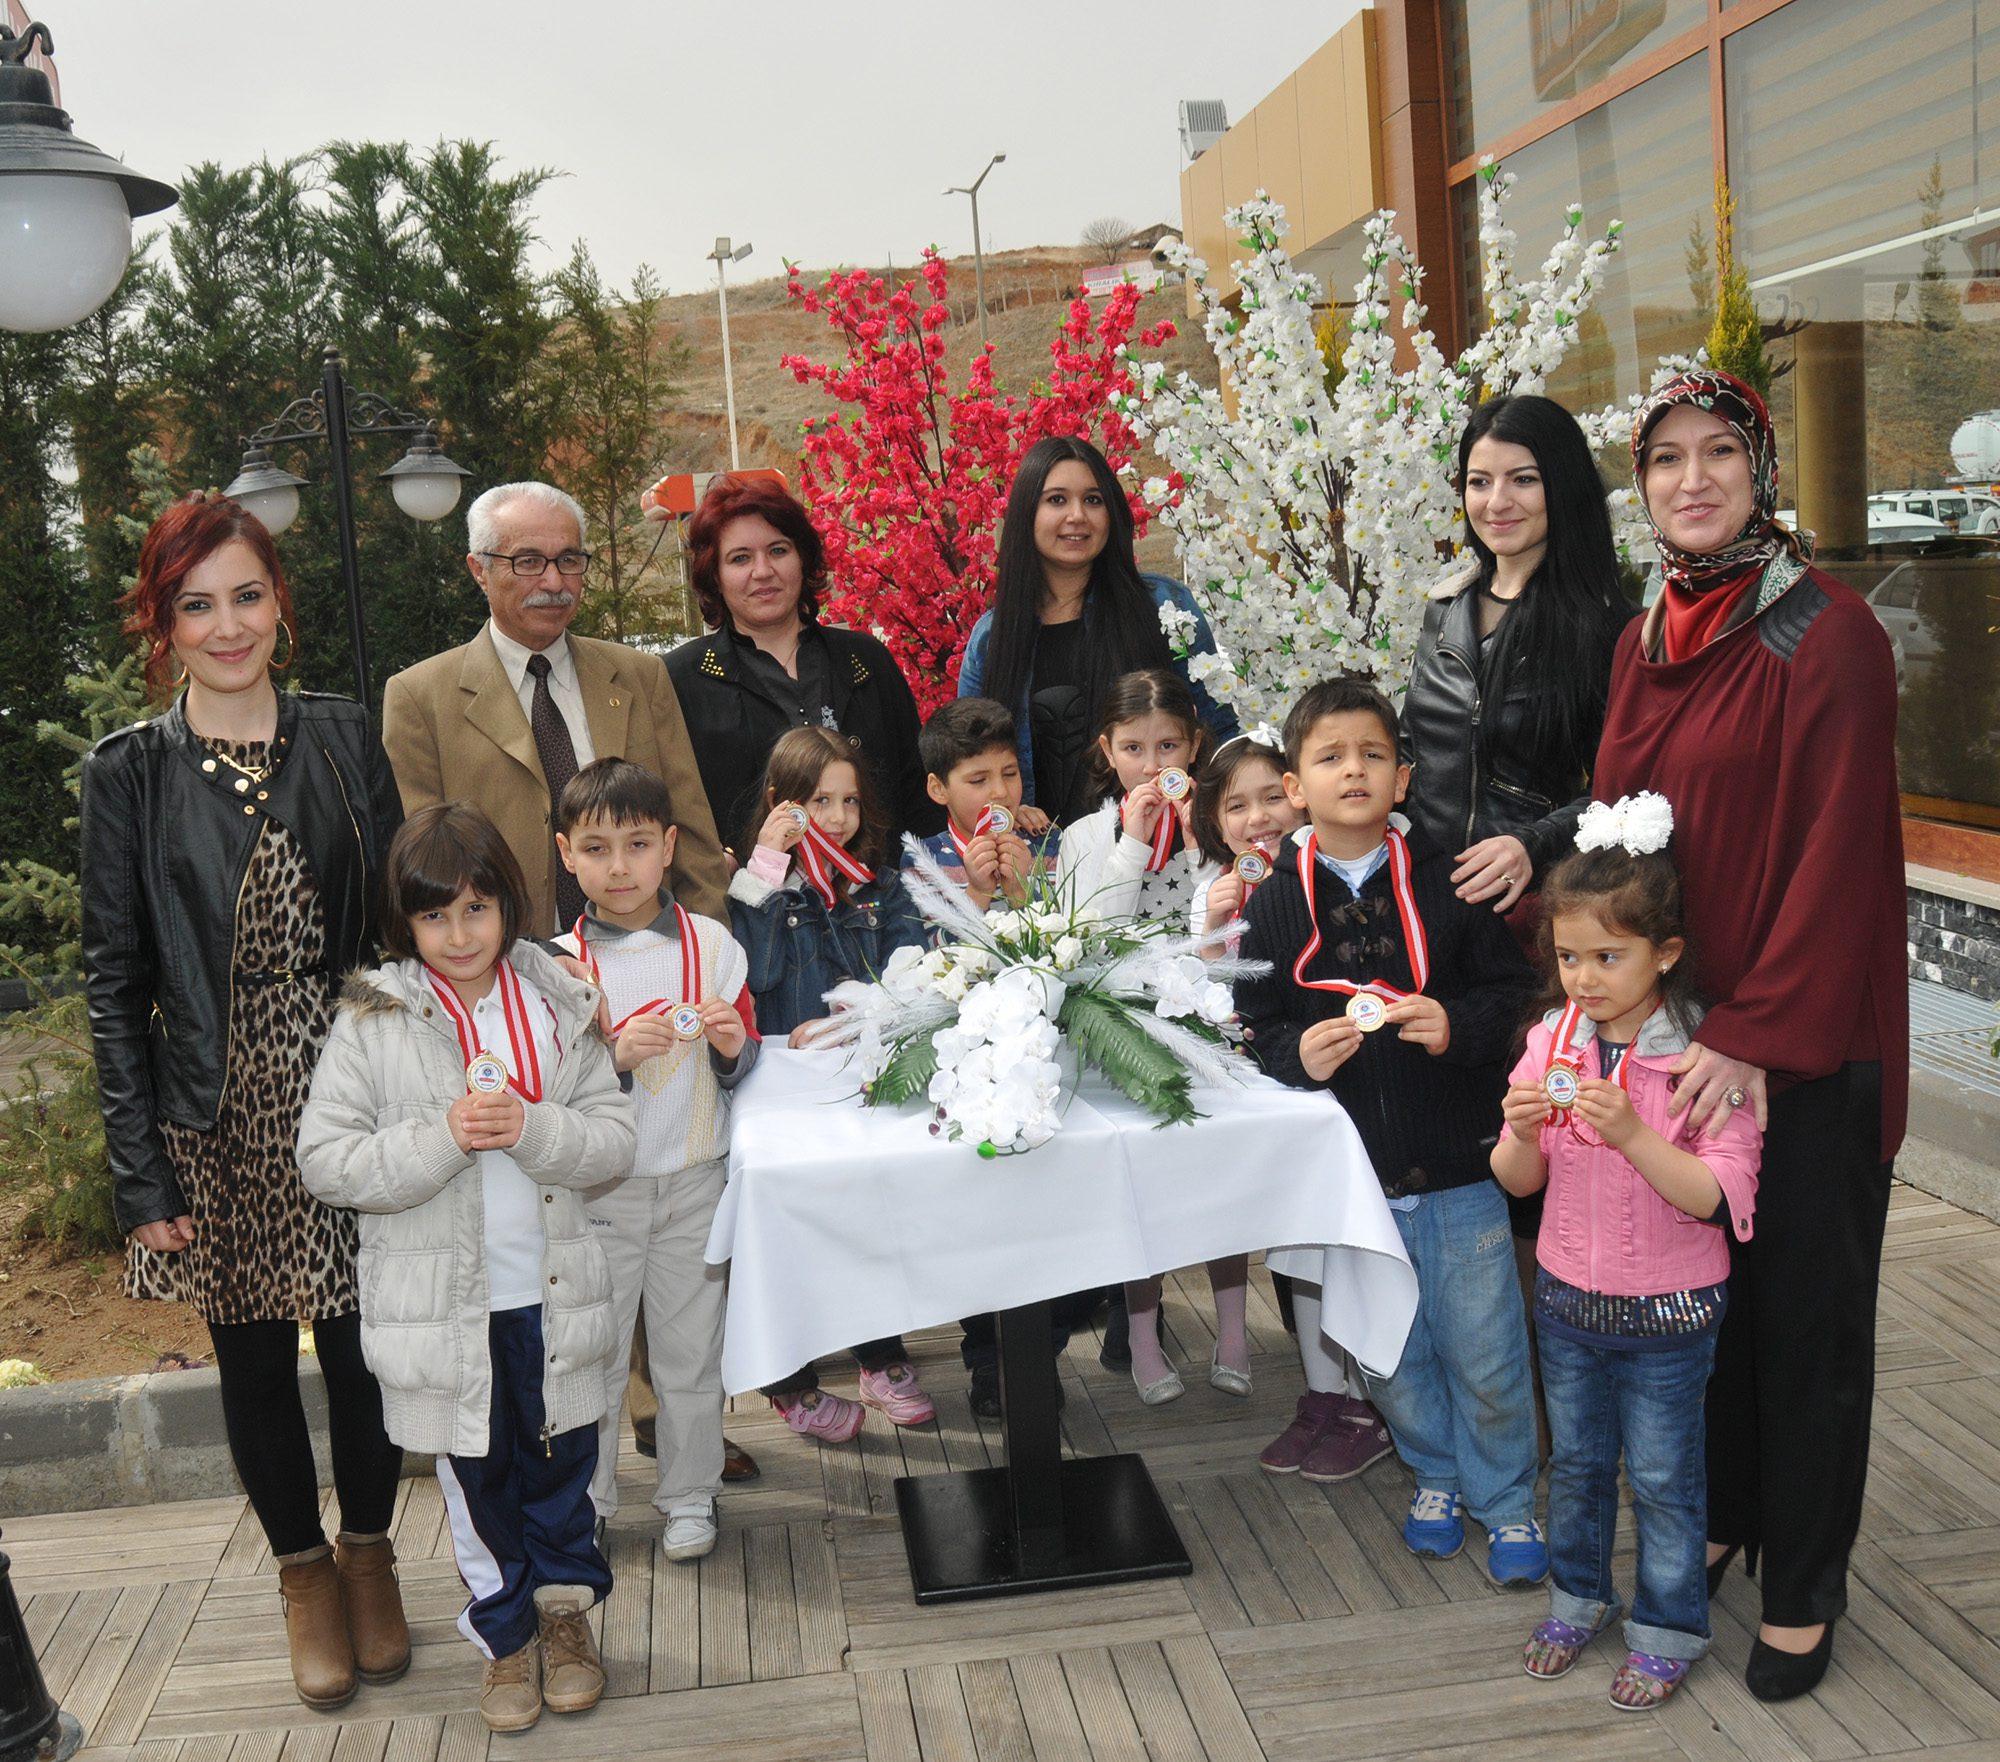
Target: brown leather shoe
[(572, 1676), (737, 1463), (510, 1690), (376, 1626), (316, 1630)]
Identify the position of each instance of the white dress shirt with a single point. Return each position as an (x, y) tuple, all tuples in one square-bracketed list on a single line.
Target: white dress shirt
[(514, 1232), (563, 686)]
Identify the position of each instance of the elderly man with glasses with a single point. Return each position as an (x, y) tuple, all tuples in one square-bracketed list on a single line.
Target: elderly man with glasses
[(506, 720)]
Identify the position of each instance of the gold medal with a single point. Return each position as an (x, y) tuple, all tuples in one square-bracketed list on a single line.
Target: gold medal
[(1252, 867), (998, 819), (1174, 783), (1367, 1011), (1561, 1085), (485, 1075), (687, 1022), (798, 815)]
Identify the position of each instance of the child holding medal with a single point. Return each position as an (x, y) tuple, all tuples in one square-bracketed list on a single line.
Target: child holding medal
[(1390, 991), (683, 1037), (819, 903), (994, 845), (1634, 1248), (464, 1099)]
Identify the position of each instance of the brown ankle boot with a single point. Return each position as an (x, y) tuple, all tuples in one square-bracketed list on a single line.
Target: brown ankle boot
[(376, 1626), (316, 1627)]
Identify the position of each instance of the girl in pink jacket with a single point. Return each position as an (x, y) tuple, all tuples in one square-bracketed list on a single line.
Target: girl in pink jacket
[(1633, 1252)]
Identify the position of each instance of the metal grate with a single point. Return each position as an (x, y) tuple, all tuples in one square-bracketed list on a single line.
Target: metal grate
[(1950, 1034), (1204, 121)]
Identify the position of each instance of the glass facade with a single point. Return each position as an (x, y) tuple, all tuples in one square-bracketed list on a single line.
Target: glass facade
[(1859, 154), (1644, 159), (1510, 61)]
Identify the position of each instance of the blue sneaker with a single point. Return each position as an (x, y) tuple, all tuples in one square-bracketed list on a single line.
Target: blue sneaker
[(1517, 1554), (1433, 1526)]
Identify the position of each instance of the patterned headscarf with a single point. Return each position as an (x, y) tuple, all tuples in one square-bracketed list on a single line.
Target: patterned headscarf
[(1762, 538)]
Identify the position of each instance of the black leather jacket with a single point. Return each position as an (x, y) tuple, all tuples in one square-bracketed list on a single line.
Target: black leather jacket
[(166, 848), (1478, 772)]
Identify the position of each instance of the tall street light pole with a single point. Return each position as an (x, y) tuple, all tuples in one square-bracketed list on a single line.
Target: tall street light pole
[(978, 257), (425, 483), (723, 256)]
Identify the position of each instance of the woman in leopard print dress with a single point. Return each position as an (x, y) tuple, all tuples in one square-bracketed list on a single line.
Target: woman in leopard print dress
[(230, 849)]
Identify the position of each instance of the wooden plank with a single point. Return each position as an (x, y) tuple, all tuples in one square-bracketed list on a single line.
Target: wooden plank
[(414, 1739), (725, 1625), (1155, 1701), (958, 1432), (1208, 1588), (246, 1553), (887, 1722), (937, 1701), (1211, 1703), (999, 1732), (1945, 1654), (822, 1620), (626, 1640), (1257, 1587), (124, 1715), (259, 1746), (366, 1740), (310, 1743), (464, 1739), (675, 1637), (91, 1689), (845, 1480), (42, 1615), (1349, 1568), (1101, 1709), (1046, 1708), (1306, 1582), (775, 1648)]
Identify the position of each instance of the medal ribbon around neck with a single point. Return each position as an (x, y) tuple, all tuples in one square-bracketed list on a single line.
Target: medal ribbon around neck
[(1166, 834), (520, 1034), (1565, 1056), (819, 856), (690, 970), (1406, 909)]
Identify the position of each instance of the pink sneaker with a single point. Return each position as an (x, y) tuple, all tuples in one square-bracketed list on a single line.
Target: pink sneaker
[(895, 1393), (816, 1414), (1288, 1449)]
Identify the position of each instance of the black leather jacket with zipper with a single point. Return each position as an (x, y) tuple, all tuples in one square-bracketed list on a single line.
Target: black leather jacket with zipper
[(167, 844), (1477, 770)]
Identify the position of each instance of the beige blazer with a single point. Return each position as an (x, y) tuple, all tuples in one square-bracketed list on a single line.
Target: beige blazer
[(455, 731)]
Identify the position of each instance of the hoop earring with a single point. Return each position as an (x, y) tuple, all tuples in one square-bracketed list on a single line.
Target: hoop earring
[(180, 678), (291, 649)]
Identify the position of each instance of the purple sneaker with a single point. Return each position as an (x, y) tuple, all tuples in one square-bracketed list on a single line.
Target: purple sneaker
[(1285, 1452), (1347, 1446)]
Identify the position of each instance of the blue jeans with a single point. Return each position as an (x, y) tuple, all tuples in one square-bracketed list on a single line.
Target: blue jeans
[(1650, 1403), (1461, 1403)]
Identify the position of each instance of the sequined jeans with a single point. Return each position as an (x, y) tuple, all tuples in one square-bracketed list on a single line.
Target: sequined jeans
[(1602, 1399)]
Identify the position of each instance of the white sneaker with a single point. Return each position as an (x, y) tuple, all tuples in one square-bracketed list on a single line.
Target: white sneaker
[(690, 1530)]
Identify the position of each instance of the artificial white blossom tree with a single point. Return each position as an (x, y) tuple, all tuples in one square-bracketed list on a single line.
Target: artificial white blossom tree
[(1311, 522)]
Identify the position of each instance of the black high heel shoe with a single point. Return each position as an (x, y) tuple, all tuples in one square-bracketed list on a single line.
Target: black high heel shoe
[(1772, 1675), (1718, 1570)]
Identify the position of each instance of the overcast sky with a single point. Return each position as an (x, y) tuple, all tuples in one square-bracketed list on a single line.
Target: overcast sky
[(821, 132)]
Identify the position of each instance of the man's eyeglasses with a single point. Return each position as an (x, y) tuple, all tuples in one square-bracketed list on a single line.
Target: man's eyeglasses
[(533, 563)]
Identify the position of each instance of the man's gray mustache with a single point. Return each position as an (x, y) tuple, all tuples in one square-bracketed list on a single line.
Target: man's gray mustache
[(535, 601)]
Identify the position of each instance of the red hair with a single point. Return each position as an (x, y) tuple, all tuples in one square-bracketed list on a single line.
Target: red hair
[(731, 498), (186, 535)]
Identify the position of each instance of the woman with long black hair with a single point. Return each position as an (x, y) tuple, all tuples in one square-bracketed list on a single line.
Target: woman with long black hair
[(1507, 689), (1071, 613)]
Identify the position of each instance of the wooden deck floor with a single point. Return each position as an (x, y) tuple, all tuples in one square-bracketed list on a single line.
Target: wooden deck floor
[(1306, 1631)]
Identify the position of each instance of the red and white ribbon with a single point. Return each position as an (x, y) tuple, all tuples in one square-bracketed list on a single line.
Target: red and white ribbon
[(526, 1077), (819, 857), (1406, 909), (1563, 1053), (1166, 834), (980, 827), (690, 970)]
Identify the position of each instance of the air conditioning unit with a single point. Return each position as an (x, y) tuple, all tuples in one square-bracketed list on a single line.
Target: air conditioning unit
[(1204, 121)]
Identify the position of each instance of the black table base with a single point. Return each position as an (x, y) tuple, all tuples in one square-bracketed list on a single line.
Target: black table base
[(1040, 1523)]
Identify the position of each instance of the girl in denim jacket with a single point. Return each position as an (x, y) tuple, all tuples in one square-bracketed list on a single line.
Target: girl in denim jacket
[(820, 902), (1634, 1248)]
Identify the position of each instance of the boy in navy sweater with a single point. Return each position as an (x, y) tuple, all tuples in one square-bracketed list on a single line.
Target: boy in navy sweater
[(1402, 1000)]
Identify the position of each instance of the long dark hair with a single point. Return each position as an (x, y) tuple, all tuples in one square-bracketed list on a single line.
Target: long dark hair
[(1132, 695), (1555, 643), (1635, 896), (1124, 623)]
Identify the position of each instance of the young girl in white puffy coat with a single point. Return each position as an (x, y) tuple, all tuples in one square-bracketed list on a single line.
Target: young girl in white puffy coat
[(464, 1098)]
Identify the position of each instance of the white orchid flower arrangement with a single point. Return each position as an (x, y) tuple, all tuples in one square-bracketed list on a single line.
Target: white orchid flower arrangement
[(1312, 519), (975, 1023)]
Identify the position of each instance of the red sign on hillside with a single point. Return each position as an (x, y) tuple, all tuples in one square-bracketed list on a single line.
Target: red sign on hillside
[(678, 494)]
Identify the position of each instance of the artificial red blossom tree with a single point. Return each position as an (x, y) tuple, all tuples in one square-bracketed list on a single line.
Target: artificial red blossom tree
[(907, 483)]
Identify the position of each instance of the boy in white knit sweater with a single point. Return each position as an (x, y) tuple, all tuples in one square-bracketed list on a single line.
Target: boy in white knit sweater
[(684, 1036)]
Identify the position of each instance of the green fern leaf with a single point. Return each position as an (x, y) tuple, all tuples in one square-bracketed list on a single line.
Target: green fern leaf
[(1112, 1042), (908, 1073)]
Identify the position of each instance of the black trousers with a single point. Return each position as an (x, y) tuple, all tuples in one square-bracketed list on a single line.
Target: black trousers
[(1790, 1405), (870, 1355), (265, 1418)]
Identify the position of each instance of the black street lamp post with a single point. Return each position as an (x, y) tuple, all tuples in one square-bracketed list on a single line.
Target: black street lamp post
[(424, 482)]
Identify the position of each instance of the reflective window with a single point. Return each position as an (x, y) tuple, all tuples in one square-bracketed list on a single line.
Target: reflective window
[(1860, 156), (1511, 60), (1644, 158)]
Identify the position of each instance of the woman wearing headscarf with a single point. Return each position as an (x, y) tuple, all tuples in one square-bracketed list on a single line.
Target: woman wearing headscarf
[(1758, 694)]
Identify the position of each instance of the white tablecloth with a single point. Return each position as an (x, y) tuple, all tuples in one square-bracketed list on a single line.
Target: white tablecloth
[(845, 1223)]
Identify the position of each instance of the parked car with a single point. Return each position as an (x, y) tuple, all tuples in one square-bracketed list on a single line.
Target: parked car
[(1962, 510), (1888, 525)]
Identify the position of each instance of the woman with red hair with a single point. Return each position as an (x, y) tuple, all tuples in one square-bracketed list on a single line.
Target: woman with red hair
[(230, 850), (769, 665)]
